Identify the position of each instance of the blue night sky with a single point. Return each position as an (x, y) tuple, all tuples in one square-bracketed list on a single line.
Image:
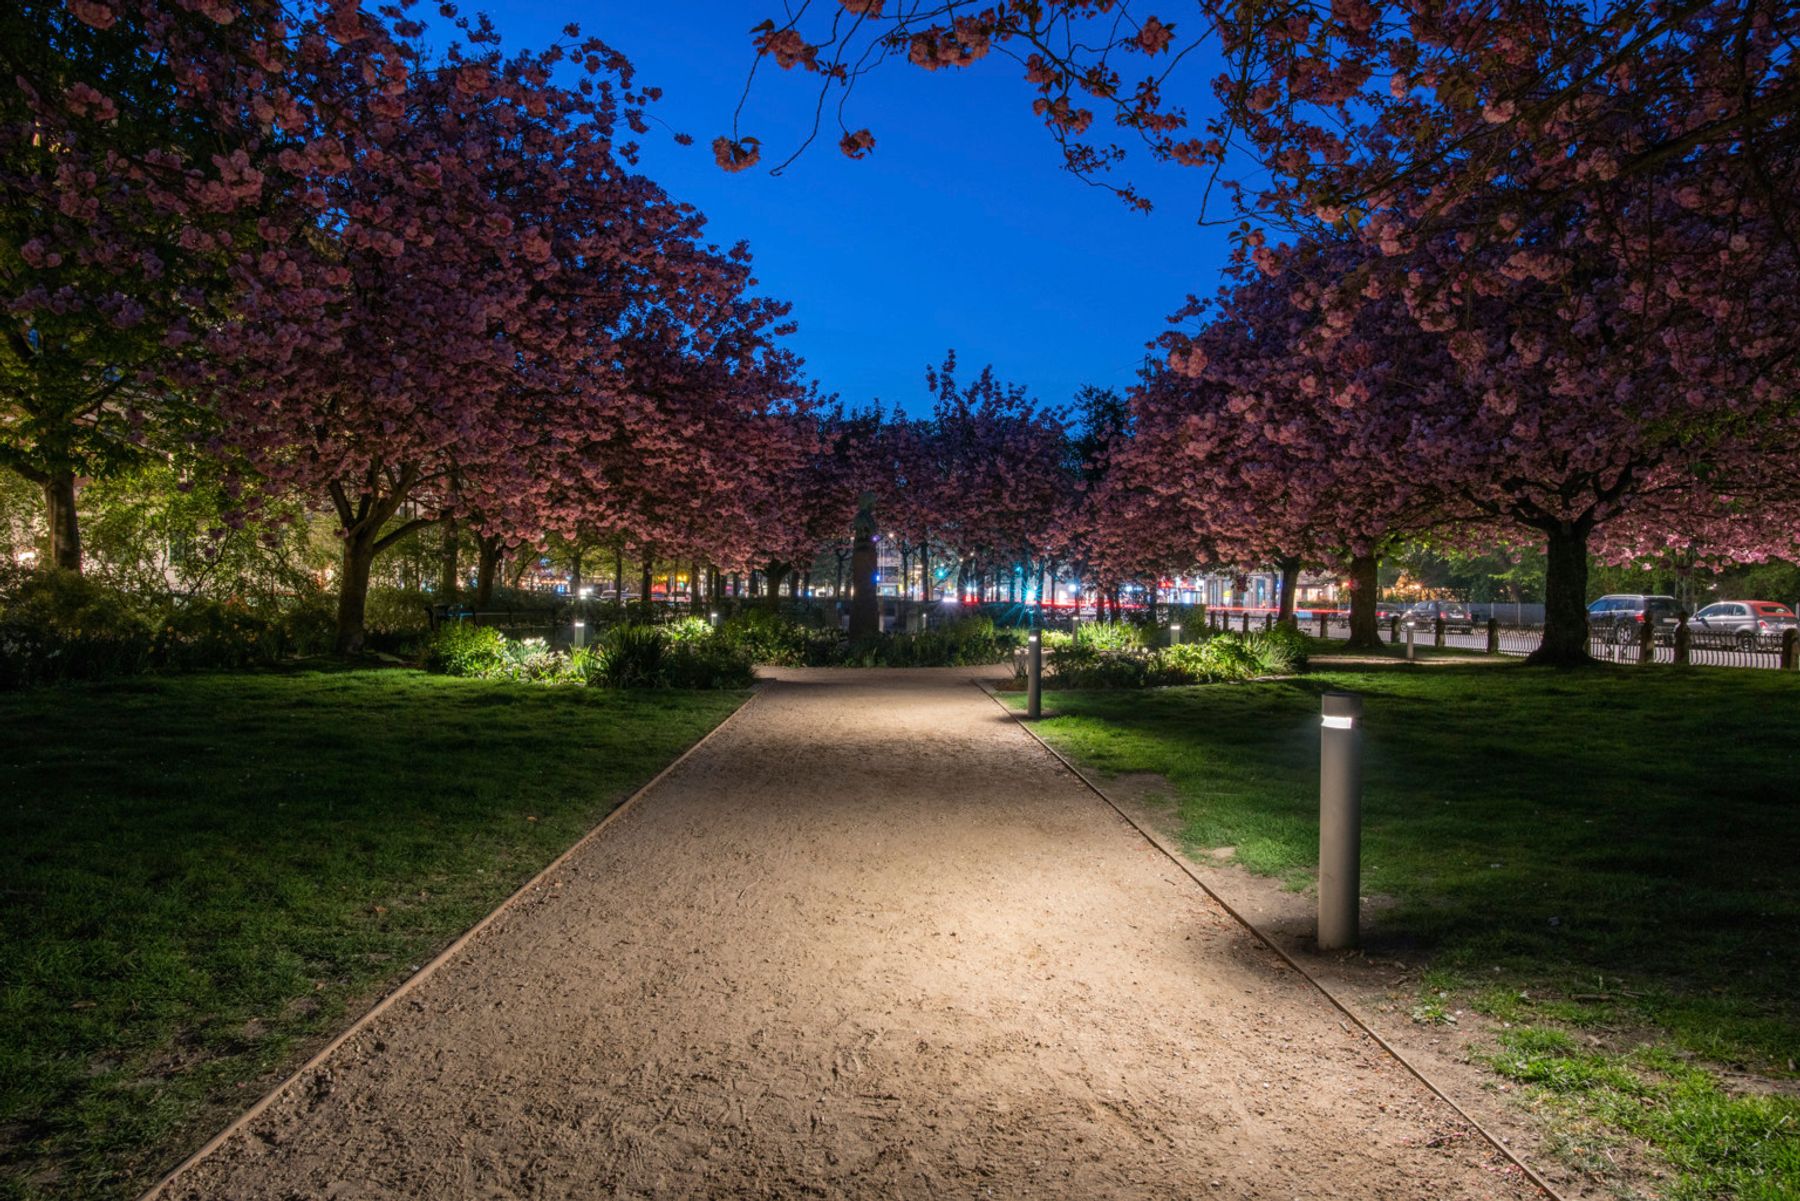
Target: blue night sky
[(960, 230)]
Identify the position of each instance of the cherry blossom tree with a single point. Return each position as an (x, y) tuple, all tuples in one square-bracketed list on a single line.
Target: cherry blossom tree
[(137, 148), (483, 310)]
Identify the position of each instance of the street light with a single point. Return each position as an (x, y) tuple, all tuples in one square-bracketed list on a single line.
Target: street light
[(1340, 820)]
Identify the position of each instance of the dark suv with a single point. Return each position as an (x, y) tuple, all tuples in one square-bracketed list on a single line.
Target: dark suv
[(1620, 617), (1424, 615)]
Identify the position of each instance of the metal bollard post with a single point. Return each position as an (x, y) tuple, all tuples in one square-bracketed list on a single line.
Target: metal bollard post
[(1493, 636), (1340, 821), (1393, 630), (1268, 622), (1647, 640), (1790, 649), (1437, 631), (1684, 641), (1175, 633), (1409, 642), (1034, 676), (578, 637), (1246, 621)]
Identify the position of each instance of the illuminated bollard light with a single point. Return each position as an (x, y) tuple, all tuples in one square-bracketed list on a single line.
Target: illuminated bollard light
[(1034, 676), (1175, 634), (1340, 821), (579, 636), (715, 620)]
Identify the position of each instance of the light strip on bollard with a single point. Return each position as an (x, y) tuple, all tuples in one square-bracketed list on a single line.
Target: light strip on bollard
[(1337, 723)]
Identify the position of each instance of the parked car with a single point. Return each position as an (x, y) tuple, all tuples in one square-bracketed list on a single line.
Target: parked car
[(1744, 624), (1620, 617), (1424, 615)]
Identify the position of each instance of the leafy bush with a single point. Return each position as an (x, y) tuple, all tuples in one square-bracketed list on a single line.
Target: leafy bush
[(1111, 636), (707, 665), (397, 611), (204, 634), (685, 631), (630, 657), (465, 649), (532, 659), (57, 625), (770, 638), (967, 642), (1078, 663)]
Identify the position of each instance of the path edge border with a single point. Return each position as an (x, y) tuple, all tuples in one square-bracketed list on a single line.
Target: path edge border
[(159, 1190), (1186, 865)]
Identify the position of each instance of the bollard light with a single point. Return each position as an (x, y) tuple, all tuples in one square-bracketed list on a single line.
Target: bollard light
[(1340, 820), (1034, 676), (580, 635), (1174, 633)]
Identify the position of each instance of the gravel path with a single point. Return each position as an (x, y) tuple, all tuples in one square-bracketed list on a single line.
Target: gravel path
[(871, 941)]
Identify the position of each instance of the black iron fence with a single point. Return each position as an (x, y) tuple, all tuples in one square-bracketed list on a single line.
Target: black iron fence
[(1645, 644)]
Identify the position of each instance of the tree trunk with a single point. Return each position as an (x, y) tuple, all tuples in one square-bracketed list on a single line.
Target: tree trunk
[(644, 584), (1150, 602), (448, 579), (619, 579), (1290, 583), (775, 574), (487, 566), (353, 589), (64, 523), (575, 574), (1365, 582), (925, 571), (1565, 641)]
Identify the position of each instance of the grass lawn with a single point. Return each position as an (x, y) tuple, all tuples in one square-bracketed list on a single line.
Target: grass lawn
[(207, 876), (1606, 860)]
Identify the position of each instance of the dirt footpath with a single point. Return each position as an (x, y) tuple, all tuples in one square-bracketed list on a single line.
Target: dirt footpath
[(871, 941)]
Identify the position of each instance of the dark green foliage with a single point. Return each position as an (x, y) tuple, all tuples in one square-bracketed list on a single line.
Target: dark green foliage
[(1115, 655), (57, 626), (468, 650), (631, 657), (967, 642), (770, 638)]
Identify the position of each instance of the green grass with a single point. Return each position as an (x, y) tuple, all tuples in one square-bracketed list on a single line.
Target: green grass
[(1614, 851), (206, 876)]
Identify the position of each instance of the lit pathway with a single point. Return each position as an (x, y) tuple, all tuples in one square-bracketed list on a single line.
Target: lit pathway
[(871, 941)]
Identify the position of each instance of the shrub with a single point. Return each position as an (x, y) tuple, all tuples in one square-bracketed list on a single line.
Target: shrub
[(771, 638), (58, 625), (308, 624), (685, 631), (533, 659), (630, 657), (397, 611), (465, 649), (1110, 636), (204, 634), (707, 665)]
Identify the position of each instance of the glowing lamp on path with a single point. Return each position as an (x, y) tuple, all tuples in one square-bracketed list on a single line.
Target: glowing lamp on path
[(1340, 821)]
